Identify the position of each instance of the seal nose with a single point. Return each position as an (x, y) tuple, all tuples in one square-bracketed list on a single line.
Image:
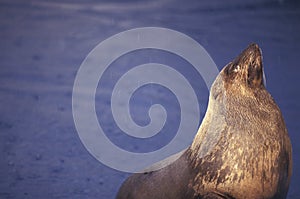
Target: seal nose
[(253, 51), (254, 47), (251, 55)]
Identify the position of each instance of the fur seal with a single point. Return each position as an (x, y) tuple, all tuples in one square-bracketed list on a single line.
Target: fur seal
[(241, 150)]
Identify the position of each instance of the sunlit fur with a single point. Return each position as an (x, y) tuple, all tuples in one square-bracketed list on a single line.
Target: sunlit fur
[(241, 150)]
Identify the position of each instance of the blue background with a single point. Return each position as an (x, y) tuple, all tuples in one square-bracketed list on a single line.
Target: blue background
[(43, 43)]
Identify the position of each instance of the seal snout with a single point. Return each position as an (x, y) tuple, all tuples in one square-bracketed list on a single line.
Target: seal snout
[(249, 65), (250, 57), (253, 53), (254, 48)]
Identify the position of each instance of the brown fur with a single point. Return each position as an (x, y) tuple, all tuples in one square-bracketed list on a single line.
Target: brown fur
[(241, 150)]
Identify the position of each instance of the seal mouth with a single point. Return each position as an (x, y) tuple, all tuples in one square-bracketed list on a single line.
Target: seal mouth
[(248, 66)]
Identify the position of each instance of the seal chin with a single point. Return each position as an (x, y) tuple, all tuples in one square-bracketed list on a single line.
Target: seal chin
[(248, 67)]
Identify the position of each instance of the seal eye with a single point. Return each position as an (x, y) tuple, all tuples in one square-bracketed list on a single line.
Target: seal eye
[(232, 68), (236, 68)]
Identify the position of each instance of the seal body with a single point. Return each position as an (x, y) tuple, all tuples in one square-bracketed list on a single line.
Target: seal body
[(241, 150)]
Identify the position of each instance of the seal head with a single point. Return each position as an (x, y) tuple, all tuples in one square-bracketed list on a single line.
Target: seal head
[(247, 67)]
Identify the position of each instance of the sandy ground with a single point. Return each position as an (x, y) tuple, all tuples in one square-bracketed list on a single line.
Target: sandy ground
[(43, 44)]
